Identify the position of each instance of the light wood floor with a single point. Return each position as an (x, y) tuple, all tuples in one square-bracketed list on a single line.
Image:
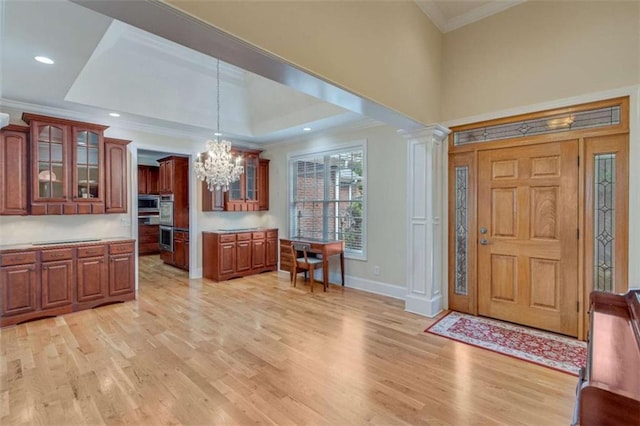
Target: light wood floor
[(255, 350)]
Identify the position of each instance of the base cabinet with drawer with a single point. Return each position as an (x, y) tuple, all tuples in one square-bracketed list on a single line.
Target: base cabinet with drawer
[(47, 282), (228, 255)]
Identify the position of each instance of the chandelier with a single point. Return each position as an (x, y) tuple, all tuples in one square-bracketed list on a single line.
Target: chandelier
[(218, 168)]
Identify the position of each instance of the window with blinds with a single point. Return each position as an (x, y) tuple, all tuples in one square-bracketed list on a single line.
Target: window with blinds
[(328, 197)]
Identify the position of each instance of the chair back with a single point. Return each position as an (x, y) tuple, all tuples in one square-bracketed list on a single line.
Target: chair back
[(303, 247)]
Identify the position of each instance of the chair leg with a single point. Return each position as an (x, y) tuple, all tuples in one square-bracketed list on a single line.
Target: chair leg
[(311, 275), (324, 286), (295, 275)]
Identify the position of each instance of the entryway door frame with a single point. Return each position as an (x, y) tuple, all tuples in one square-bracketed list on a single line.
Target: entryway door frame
[(593, 143)]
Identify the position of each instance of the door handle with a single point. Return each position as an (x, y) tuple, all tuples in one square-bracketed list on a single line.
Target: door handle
[(483, 241)]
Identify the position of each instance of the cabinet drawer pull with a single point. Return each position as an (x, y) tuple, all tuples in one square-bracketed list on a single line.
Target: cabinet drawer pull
[(57, 255)]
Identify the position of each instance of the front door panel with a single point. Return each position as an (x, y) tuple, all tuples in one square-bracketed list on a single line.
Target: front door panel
[(528, 259)]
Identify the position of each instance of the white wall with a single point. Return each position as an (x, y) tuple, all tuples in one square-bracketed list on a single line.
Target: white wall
[(386, 203), (540, 51)]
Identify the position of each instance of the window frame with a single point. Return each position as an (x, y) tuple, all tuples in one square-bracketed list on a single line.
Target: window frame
[(340, 148)]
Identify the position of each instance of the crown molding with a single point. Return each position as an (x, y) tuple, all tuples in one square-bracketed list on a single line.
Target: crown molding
[(431, 9)]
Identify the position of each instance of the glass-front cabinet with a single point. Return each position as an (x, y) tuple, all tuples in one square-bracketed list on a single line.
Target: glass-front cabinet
[(51, 162), (67, 164), (249, 193), (87, 153)]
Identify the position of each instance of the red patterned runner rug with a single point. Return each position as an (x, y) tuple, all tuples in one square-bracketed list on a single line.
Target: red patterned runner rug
[(550, 350)]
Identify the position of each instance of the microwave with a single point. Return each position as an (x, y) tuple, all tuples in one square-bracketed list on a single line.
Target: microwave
[(148, 203)]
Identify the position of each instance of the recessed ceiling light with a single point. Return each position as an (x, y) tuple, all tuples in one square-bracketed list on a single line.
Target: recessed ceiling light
[(44, 60), (217, 134), (114, 114), (307, 129)]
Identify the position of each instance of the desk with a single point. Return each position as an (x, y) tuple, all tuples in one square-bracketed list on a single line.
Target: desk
[(326, 248)]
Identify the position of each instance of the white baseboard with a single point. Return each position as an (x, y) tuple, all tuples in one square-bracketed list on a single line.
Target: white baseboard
[(423, 306), (375, 287)]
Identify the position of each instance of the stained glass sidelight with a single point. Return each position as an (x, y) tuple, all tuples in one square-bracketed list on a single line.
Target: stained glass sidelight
[(557, 123), (461, 230), (604, 222)]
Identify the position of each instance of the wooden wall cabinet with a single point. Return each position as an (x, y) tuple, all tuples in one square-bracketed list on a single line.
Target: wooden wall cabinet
[(148, 179), (236, 254), (249, 193), (116, 177), (174, 179), (14, 167), (43, 282), (60, 167)]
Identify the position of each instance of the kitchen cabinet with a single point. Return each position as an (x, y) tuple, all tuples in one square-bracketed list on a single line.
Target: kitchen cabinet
[(116, 180), (174, 179), (228, 255), (57, 166), (93, 275), (42, 282), (263, 184), (67, 166), (148, 239), (57, 279), (181, 249), (148, 179), (14, 166), (18, 282), (121, 269), (249, 193)]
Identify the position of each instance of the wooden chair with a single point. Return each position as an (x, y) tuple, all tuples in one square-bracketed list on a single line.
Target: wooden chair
[(305, 263)]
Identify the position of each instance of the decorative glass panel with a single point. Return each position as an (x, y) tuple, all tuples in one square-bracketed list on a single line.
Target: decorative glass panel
[(556, 123), (50, 164), (604, 222), (461, 230), (87, 164)]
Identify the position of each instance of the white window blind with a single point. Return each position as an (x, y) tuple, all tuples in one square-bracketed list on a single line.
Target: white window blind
[(328, 197)]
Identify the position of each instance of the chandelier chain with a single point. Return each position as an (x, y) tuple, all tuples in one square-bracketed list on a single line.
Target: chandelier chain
[(219, 169)]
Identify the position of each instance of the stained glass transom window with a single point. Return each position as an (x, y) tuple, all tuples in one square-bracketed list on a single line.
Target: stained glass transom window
[(461, 230), (556, 123), (604, 222)]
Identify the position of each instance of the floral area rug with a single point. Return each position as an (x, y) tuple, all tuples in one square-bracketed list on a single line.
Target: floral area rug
[(547, 349)]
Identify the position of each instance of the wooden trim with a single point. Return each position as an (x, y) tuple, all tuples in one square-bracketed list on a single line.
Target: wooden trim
[(16, 128), (623, 102), (27, 117)]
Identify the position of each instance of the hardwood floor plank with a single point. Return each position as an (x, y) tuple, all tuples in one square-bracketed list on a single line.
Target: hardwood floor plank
[(257, 351)]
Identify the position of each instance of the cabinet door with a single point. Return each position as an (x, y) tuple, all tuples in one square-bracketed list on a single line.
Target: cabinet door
[(116, 176), (243, 256), (143, 173), (227, 258), (87, 165), (13, 172), (56, 283), (212, 201), (121, 274), (92, 279), (272, 252), (263, 185), (251, 178), (166, 177), (50, 158), (152, 180), (258, 254), (18, 289), (179, 249)]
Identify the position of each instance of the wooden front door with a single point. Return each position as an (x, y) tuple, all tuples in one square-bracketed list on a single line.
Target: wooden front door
[(528, 235)]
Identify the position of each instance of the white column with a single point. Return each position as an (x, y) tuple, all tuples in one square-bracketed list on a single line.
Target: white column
[(425, 180)]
